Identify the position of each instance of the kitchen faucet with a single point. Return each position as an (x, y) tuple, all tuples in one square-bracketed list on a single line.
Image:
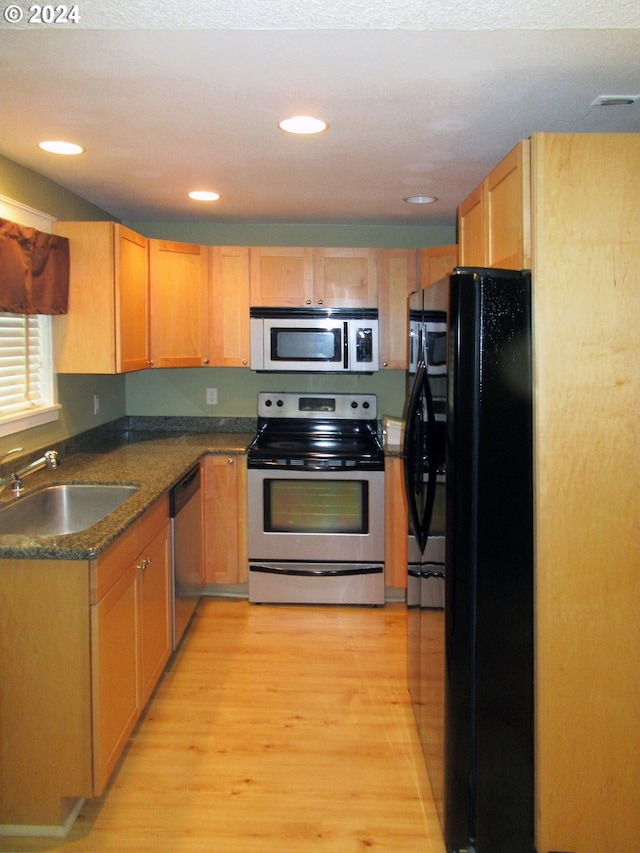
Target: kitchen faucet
[(49, 460)]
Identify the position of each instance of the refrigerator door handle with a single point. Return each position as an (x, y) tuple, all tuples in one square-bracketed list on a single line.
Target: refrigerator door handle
[(411, 461), (417, 456)]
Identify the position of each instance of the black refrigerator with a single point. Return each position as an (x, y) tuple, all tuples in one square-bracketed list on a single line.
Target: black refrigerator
[(468, 454)]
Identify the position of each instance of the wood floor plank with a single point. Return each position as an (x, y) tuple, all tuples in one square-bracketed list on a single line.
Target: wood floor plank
[(283, 729)]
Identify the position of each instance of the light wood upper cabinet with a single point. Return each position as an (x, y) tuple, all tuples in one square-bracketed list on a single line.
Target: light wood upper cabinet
[(281, 276), (345, 278), (304, 277), (225, 512), (436, 262), (494, 220), (398, 278), (107, 327), (229, 306), (472, 228), (178, 274)]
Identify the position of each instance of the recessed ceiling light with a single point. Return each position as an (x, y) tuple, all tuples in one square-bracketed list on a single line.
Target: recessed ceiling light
[(203, 195), (58, 147), (420, 199), (303, 125)]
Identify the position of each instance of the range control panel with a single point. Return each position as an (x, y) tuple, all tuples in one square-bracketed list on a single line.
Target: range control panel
[(287, 404)]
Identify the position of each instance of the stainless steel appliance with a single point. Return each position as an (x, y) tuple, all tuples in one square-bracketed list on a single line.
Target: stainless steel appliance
[(314, 340), (316, 500), (468, 435), (186, 545)]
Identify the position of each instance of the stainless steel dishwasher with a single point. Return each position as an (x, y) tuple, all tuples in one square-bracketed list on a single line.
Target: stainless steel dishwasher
[(186, 546)]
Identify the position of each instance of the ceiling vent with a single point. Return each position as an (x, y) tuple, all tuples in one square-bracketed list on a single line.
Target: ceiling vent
[(614, 100)]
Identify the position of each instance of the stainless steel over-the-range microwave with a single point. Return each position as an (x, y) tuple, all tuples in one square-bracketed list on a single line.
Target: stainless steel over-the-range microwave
[(314, 340)]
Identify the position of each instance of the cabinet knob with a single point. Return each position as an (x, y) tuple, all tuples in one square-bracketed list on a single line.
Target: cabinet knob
[(307, 302), (205, 361), (320, 302), (230, 461), (385, 364), (244, 361)]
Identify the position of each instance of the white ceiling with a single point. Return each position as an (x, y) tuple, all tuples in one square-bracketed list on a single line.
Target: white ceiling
[(422, 98)]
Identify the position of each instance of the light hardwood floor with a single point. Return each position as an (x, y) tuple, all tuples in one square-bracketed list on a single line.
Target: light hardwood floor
[(283, 729)]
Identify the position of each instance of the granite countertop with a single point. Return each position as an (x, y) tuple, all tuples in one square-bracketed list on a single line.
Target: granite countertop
[(152, 462)]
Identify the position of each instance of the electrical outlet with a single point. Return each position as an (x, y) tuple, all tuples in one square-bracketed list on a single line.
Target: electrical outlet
[(96, 404), (212, 396)]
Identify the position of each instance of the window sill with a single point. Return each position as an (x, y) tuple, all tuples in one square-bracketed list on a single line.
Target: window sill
[(29, 419)]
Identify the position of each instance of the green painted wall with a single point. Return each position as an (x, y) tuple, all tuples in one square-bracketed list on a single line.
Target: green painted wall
[(295, 234), (183, 392), (30, 188)]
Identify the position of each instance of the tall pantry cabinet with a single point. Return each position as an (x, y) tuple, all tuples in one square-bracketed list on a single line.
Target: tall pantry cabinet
[(584, 214), (586, 307)]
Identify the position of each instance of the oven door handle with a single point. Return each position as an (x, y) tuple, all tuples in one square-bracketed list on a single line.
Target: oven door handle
[(316, 573)]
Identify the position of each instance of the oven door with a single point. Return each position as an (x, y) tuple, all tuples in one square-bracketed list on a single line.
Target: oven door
[(316, 516)]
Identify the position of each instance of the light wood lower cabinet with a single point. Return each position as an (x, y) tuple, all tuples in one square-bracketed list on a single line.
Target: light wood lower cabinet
[(82, 645), (396, 523), (131, 632), (225, 512)]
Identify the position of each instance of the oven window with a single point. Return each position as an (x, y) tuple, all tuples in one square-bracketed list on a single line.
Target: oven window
[(306, 344), (316, 506)]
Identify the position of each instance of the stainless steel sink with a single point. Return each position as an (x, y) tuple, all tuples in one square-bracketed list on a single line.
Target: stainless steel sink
[(56, 510)]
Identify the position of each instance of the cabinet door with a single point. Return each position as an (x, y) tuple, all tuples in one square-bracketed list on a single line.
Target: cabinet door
[(507, 211), (397, 273), (281, 277), (494, 220), (132, 300), (345, 278), (471, 229), (107, 327), (436, 262), (396, 524), (154, 614), (225, 519), (178, 274), (229, 325), (115, 679)]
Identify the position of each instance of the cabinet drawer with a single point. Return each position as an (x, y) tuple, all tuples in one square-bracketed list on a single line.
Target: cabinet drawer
[(106, 570), (154, 520)]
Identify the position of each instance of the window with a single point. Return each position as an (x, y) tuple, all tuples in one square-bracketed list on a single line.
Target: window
[(27, 386)]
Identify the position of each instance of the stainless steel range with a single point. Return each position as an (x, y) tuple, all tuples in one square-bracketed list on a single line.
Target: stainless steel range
[(316, 500)]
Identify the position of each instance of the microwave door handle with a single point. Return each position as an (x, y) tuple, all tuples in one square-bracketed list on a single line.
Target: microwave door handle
[(345, 345)]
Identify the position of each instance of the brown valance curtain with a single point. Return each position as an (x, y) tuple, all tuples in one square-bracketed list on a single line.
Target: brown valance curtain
[(34, 270)]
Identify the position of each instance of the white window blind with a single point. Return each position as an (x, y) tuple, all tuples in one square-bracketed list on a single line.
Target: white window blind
[(27, 389), (24, 381)]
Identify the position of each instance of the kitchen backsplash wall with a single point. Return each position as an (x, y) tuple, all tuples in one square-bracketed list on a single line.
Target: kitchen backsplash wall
[(184, 391)]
